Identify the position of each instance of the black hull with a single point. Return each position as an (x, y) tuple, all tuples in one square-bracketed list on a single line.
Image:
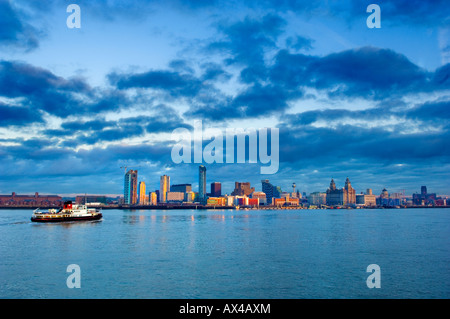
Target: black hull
[(64, 219)]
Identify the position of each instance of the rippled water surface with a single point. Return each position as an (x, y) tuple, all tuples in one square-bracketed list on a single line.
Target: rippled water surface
[(229, 254)]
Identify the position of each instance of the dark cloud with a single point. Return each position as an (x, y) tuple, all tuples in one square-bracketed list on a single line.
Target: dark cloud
[(261, 100), (442, 76), (255, 101), (98, 130), (174, 83), (40, 89), (313, 147), (98, 158), (292, 71), (344, 141), (214, 72), (437, 112), (368, 72), (247, 40), (14, 30), (13, 115)]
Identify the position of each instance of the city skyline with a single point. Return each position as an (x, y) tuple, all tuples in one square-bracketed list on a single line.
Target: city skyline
[(165, 184), (243, 195), (347, 193), (79, 104)]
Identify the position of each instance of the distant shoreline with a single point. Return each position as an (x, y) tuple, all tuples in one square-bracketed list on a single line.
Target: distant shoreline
[(202, 207)]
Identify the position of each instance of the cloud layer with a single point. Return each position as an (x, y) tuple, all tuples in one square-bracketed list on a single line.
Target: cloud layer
[(368, 111)]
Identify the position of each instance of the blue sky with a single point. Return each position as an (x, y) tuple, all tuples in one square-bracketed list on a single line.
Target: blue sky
[(76, 105)]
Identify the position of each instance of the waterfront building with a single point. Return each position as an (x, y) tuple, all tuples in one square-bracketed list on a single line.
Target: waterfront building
[(242, 189), (349, 193), (202, 184), (384, 194), (30, 200), (229, 200), (89, 199), (142, 195), (367, 200), (334, 195), (389, 200), (189, 197), (164, 183), (260, 196), (174, 197), (241, 200), (317, 198), (343, 196), (270, 190), (286, 201), (216, 189), (216, 201), (254, 202), (153, 198), (184, 188), (130, 187), (424, 198), (286, 194)]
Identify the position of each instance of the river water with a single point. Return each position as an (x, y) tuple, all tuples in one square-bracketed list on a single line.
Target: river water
[(282, 254)]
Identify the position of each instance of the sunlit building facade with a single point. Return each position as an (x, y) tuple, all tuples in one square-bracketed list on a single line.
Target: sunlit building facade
[(164, 184), (130, 193)]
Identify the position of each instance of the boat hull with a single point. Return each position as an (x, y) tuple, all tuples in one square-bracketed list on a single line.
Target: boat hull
[(57, 219)]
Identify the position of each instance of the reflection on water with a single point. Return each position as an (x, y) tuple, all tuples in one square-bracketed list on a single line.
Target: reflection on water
[(135, 217), (67, 224), (228, 254)]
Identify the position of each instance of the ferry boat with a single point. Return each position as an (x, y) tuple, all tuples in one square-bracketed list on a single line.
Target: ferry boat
[(69, 212)]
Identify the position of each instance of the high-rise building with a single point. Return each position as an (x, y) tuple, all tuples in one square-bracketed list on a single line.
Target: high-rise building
[(164, 184), (130, 187), (216, 189), (270, 190), (423, 190), (202, 184), (142, 194), (241, 189)]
